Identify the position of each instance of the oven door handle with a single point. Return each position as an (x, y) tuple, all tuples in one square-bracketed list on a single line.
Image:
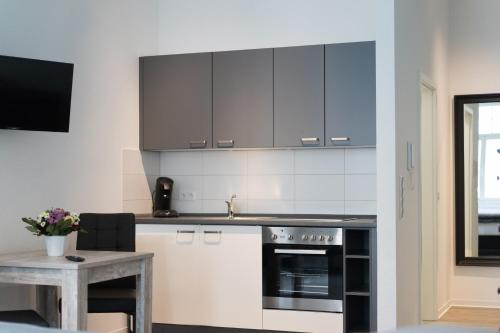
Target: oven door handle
[(291, 251)]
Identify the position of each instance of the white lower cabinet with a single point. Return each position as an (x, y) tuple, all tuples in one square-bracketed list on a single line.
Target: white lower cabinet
[(175, 271), (205, 275), (303, 321)]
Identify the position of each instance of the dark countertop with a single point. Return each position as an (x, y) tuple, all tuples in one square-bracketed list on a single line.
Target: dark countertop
[(350, 221)]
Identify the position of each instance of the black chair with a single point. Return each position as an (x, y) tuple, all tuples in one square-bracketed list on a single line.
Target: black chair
[(110, 232), (30, 317)]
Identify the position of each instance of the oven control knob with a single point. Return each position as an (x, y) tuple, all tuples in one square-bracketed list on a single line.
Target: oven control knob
[(321, 238), (305, 237), (330, 238), (290, 237), (313, 237), (274, 236)]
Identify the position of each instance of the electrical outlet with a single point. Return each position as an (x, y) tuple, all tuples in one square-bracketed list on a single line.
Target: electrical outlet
[(188, 196)]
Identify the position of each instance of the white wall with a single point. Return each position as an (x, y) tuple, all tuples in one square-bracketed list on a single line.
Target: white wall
[(421, 47), (199, 25), (80, 171), (474, 68), (386, 166)]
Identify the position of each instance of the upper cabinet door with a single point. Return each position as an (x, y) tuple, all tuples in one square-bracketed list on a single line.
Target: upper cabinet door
[(350, 94), (177, 101), (299, 96), (243, 99)]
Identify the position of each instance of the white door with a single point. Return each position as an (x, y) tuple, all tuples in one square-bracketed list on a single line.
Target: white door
[(175, 271), (231, 276), (428, 204)]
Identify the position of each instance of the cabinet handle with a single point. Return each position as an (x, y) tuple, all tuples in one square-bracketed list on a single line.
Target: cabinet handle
[(185, 231), (341, 140), (213, 232), (198, 144), (310, 141), (225, 143)]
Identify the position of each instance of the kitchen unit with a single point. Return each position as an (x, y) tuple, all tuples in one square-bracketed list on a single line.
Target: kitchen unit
[(205, 275), (284, 273), (304, 96)]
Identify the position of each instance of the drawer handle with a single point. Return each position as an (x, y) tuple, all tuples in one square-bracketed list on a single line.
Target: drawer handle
[(340, 140), (212, 232), (310, 141), (185, 231), (198, 144), (291, 251), (225, 143)]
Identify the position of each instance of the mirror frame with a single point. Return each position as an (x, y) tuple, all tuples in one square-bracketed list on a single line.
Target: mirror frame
[(461, 259)]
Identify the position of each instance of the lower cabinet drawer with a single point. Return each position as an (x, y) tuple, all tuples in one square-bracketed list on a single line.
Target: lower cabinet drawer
[(303, 321)]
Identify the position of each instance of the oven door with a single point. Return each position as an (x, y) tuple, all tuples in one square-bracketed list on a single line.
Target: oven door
[(302, 277)]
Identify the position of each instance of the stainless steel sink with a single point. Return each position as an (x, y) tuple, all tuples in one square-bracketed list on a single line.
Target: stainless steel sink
[(254, 218)]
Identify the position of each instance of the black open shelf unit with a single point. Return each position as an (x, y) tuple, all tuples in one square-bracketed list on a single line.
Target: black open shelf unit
[(360, 280)]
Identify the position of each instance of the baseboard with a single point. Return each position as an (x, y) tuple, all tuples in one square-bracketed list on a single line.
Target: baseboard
[(472, 303), (443, 309)]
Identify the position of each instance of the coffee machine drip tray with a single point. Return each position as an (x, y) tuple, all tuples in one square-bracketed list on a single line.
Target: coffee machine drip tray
[(165, 213)]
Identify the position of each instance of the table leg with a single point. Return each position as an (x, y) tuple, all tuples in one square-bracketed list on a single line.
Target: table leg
[(74, 292), (47, 304), (144, 292)]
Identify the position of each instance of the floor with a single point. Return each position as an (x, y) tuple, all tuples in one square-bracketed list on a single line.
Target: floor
[(477, 317)]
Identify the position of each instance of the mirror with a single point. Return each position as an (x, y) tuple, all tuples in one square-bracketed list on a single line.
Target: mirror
[(477, 179)]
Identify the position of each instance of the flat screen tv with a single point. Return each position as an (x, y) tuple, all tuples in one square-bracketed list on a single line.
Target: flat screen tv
[(35, 95)]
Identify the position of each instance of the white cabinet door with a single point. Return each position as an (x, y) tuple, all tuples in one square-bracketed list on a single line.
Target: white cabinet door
[(230, 275), (175, 271)]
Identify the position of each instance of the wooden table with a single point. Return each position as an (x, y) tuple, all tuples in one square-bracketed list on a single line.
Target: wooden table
[(48, 273)]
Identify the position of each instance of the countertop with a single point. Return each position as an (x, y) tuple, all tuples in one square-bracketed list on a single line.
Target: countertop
[(350, 221)]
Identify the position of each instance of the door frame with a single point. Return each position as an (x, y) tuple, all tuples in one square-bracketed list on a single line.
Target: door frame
[(432, 314)]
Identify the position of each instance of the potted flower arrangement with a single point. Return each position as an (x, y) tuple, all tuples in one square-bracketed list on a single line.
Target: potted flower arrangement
[(55, 224)]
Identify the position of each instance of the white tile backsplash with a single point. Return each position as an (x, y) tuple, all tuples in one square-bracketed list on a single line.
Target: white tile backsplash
[(139, 173), (185, 185), (226, 162), (319, 187), (360, 161), (301, 181), (181, 163), (319, 207), (223, 187), (270, 187), (361, 207), (361, 187), (319, 162), (270, 162)]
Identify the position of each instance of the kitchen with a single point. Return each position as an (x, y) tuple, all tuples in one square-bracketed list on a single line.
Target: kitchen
[(274, 183)]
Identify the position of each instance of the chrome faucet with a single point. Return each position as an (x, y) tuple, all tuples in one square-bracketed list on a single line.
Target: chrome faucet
[(230, 207)]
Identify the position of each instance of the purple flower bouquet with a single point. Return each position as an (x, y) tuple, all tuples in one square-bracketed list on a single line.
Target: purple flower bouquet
[(53, 222)]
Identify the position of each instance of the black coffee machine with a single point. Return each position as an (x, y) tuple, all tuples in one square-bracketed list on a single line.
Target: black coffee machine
[(162, 197)]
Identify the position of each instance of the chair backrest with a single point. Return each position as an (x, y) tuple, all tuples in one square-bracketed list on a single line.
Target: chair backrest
[(108, 232)]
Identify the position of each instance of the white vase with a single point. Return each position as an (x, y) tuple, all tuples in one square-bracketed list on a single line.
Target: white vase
[(55, 245)]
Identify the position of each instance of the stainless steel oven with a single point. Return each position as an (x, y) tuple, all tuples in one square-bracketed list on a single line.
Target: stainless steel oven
[(302, 268)]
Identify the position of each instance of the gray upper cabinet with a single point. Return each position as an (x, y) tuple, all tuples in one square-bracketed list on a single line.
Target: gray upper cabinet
[(243, 99), (299, 96), (176, 101), (350, 94)]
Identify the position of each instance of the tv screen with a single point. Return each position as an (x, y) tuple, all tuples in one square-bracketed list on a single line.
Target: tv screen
[(35, 95)]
